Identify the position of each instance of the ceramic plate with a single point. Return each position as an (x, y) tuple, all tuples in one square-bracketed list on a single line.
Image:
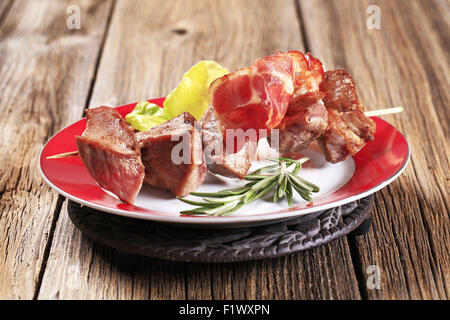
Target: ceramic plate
[(379, 163)]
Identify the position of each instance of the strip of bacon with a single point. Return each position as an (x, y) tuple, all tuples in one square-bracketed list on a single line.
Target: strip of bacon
[(257, 97), (308, 74)]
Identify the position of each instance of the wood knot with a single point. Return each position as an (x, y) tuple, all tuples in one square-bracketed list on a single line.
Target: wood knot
[(179, 31)]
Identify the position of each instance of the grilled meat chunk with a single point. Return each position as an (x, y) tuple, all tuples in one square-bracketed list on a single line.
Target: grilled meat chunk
[(111, 154), (305, 119), (348, 128), (340, 91), (172, 155), (218, 160), (339, 141)]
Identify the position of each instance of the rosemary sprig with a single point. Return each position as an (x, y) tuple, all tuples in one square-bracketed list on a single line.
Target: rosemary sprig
[(282, 178)]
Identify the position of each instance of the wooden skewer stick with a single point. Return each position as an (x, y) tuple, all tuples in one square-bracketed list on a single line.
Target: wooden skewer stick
[(382, 112), (373, 113), (63, 155)]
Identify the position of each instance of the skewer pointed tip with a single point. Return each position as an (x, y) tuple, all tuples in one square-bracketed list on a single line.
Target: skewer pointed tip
[(63, 155)]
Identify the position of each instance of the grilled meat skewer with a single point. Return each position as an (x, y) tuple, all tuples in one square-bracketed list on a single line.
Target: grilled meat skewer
[(334, 116), (348, 128), (233, 165), (111, 153), (173, 156)]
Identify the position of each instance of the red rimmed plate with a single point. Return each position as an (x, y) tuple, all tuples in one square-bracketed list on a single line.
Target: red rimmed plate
[(379, 163)]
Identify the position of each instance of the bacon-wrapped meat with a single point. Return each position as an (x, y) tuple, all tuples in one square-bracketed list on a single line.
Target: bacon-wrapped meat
[(308, 74), (348, 128), (305, 119), (257, 97)]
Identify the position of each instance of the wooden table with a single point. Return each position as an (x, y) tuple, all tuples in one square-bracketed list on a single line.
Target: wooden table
[(130, 50)]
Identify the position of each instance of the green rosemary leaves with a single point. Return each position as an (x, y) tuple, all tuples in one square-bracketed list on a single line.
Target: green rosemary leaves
[(281, 177)]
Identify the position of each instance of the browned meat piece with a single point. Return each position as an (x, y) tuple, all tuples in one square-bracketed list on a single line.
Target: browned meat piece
[(172, 155), (348, 128), (111, 154), (305, 120), (362, 126), (340, 91), (219, 161), (339, 141)]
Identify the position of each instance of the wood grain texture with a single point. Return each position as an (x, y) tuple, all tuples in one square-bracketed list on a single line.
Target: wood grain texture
[(150, 44), (324, 272), (5, 5), (45, 72), (405, 63), (128, 50)]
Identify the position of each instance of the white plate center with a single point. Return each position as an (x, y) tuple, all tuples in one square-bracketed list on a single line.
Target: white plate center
[(329, 177)]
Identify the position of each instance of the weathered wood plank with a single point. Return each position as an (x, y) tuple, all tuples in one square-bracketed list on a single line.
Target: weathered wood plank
[(150, 49), (150, 45), (45, 72), (5, 5), (325, 272), (402, 64)]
